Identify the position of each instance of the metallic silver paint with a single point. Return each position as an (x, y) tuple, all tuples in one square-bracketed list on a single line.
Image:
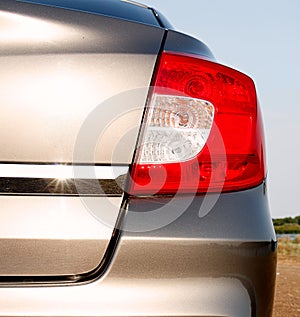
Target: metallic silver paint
[(54, 235), (217, 263), (210, 266), (126, 297), (57, 67), (49, 257), (55, 97)]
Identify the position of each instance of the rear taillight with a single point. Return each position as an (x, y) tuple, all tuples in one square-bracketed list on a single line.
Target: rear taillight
[(201, 131)]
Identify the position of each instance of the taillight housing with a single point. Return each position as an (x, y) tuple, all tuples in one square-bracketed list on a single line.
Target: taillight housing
[(201, 132)]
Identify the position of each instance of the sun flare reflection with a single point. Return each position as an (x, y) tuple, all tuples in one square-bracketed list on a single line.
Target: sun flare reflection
[(20, 28)]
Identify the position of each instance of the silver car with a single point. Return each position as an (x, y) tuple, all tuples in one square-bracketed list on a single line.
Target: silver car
[(132, 172)]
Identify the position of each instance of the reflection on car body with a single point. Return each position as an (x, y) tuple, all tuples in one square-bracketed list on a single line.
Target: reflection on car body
[(132, 173)]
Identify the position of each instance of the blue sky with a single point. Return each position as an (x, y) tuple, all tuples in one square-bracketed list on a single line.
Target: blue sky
[(261, 39)]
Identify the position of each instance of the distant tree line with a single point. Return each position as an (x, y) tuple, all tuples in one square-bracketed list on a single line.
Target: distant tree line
[(287, 225)]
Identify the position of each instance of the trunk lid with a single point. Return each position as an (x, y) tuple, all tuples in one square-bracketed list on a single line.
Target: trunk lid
[(73, 90)]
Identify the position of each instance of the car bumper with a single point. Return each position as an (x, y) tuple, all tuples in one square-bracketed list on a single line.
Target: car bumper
[(224, 264)]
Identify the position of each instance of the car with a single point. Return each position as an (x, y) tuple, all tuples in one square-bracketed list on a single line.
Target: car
[(132, 168)]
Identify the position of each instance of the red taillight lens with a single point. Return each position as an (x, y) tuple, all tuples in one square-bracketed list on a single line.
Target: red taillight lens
[(201, 132)]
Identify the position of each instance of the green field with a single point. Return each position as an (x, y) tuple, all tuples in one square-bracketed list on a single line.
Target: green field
[(287, 225)]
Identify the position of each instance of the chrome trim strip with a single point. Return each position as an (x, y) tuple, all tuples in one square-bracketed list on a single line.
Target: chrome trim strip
[(65, 180)]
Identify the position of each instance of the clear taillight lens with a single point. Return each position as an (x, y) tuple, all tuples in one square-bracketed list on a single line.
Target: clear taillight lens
[(201, 131), (177, 129)]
